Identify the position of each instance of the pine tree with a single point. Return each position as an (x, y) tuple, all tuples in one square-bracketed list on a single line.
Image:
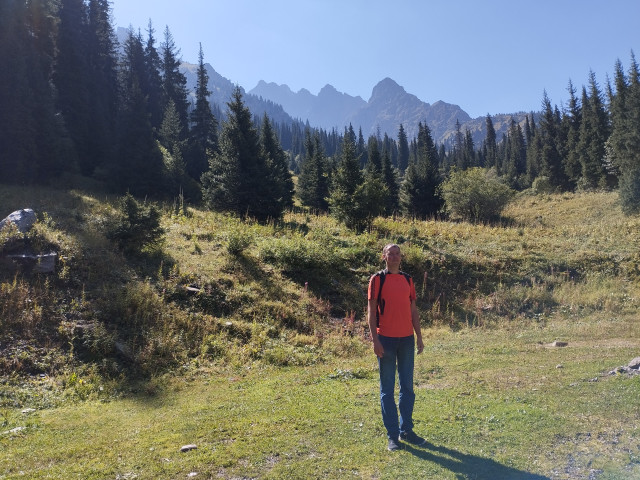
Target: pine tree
[(515, 159), (313, 182), (34, 144), (403, 150), (534, 152), (237, 180), (469, 150), (391, 147), (420, 189), (346, 181), (459, 151), (138, 166), (490, 143), (71, 78), (174, 82), (103, 86), (170, 136), (618, 106), (361, 149), (203, 136), (410, 191), (151, 81), (176, 181), (374, 160), (390, 180), (625, 139), (282, 188), (594, 132), (571, 122), (551, 165)]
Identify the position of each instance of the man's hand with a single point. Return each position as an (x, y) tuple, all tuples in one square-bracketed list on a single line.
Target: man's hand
[(420, 345), (378, 349)]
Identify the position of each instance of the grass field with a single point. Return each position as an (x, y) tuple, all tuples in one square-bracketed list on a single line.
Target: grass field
[(272, 379)]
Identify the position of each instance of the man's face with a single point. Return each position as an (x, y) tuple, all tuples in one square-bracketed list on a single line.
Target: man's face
[(393, 256)]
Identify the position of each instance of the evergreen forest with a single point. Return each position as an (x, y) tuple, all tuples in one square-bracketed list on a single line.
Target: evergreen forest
[(76, 103)]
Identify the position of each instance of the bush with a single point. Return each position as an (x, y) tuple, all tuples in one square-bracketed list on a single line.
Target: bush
[(630, 192), (298, 254), (238, 240), (542, 185), (137, 225), (475, 195)]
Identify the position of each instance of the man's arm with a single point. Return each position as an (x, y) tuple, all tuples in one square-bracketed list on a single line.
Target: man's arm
[(415, 320), (373, 327)]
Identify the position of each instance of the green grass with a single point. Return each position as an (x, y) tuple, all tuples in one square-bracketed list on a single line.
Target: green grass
[(274, 379), (493, 404)]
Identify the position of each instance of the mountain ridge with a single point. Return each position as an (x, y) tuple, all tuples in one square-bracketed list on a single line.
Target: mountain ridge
[(388, 106)]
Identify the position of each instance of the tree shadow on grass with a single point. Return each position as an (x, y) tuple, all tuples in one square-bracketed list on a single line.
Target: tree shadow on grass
[(466, 466)]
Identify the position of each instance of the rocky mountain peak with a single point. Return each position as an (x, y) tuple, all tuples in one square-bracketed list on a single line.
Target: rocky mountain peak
[(387, 88)]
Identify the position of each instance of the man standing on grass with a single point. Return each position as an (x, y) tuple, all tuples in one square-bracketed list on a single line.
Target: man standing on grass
[(393, 318)]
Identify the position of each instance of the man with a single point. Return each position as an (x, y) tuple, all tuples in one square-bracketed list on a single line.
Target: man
[(393, 318)]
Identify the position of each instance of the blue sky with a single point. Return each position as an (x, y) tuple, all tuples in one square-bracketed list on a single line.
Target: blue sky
[(491, 56)]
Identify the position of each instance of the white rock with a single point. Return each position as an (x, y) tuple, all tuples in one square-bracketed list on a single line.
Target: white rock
[(23, 219)]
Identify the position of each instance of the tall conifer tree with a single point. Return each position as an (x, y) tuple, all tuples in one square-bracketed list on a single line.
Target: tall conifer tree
[(390, 180), (34, 144), (174, 82), (313, 182), (237, 179), (490, 143), (420, 193), (71, 78), (279, 179), (571, 125), (346, 181), (138, 166), (204, 126), (103, 86), (625, 139), (403, 150), (594, 132), (551, 165), (151, 81)]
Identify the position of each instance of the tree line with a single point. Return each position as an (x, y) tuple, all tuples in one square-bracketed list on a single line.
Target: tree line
[(73, 102)]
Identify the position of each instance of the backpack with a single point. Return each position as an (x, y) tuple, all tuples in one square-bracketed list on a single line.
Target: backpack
[(383, 274)]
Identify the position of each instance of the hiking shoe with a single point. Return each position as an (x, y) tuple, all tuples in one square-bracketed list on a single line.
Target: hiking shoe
[(412, 438), (393, 445)]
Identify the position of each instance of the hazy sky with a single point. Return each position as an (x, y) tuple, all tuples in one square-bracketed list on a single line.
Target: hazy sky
[(491, 56)]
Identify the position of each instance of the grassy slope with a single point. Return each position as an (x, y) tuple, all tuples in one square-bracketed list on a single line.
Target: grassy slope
[(493, 398)]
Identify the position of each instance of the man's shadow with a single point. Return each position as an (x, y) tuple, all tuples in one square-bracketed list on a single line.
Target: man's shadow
[(469, 466)]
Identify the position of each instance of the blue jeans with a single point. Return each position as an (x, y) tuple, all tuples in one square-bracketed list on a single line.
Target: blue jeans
[(400, 350)]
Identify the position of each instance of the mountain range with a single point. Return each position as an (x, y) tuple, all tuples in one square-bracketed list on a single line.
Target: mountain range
[(389, 106)]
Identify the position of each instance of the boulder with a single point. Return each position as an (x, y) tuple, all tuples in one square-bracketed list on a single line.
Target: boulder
[(23, 219), (45, 263), (634, 364)]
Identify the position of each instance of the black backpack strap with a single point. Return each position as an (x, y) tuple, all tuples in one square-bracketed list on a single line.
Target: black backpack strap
[(382, 274)]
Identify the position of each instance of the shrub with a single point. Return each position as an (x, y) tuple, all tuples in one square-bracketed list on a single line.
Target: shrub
[(298, 254), (542, 185), (136, 226), (630, 192), (475, 195), (238, 240)]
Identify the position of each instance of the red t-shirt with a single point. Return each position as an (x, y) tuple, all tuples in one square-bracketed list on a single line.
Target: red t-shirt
[(397, 294)]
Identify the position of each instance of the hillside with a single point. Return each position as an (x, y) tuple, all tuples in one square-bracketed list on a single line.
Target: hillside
[(219, 285), (201, 329)]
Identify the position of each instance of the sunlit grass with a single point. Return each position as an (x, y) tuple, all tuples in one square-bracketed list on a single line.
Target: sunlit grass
[(249, 341)]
